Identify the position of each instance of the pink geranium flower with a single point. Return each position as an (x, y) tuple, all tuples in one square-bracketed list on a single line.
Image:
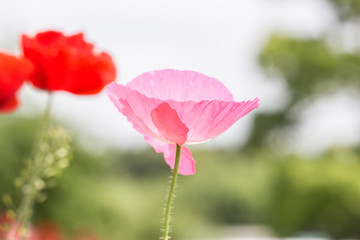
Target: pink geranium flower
[(172, 107)]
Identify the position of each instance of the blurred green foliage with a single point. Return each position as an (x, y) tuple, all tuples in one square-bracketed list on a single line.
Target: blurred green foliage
[(319, 194), (346, 9), (120, 195), (308, 68)]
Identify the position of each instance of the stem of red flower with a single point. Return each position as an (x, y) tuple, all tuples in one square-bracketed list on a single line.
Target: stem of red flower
[(30, 187), (171, 194)]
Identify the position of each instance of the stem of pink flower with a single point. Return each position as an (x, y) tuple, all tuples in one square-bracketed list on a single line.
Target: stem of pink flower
[(171, 194)]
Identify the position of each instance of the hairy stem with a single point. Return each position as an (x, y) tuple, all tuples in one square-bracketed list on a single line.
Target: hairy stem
[(171, 194), (29, 189)]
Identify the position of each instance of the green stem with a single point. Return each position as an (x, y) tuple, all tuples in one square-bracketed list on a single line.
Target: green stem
[(171, 194), (45, 123), (29, 190)]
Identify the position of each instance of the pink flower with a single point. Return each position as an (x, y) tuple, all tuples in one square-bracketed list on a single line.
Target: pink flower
[(178, 107)]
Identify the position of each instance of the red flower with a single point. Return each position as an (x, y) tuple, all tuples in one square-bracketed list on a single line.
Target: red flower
[(48, 231), (5, 223), (67, 63), (13, 72)]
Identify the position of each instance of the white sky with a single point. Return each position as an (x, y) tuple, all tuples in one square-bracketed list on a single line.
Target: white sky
[(219, 38)]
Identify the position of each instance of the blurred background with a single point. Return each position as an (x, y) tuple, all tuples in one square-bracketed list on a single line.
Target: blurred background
[(291, 168)]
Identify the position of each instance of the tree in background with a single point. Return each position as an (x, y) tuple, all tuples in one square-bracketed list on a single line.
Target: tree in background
[(310, 196), (310, 68)]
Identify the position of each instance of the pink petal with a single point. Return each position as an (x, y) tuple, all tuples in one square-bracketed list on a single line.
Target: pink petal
[(205, 120), (180, 86), (208, 119), (168, 124), (187, 162), (136, 107), (114, 92)]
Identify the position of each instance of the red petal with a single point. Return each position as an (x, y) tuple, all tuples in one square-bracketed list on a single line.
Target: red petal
[(13, 72), (9, 106)]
